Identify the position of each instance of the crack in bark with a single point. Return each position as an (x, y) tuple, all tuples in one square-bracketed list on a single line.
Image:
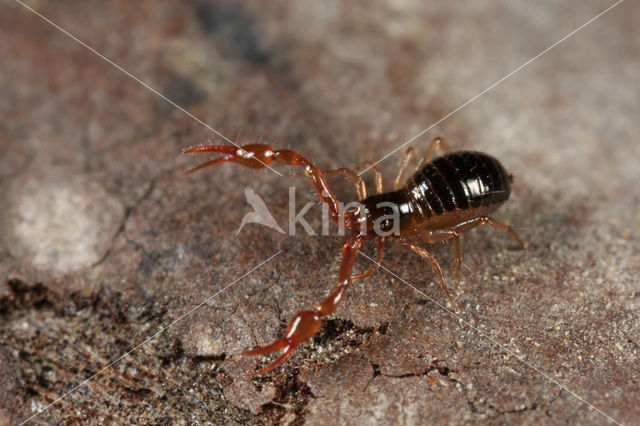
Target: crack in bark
[(128, 211), (475, 406)]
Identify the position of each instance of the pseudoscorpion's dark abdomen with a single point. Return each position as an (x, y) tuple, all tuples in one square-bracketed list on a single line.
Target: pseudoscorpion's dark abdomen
[(459, 181)]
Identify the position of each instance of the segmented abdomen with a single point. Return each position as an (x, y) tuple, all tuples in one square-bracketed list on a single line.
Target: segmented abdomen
[(459, 181)]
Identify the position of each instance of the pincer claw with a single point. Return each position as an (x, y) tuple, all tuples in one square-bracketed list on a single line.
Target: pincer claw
[(303, 326)]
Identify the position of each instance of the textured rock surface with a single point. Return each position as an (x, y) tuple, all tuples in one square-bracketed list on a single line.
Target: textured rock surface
[(103, 243)]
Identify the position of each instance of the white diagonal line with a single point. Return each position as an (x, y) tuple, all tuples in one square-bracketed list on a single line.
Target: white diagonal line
[(151, 337), (503, 347), (142, 83), (494, 84)]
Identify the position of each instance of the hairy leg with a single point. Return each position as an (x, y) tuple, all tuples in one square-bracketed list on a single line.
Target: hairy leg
[(439, 235), (374, 266), (478, 221), (404, 163), (378, 174), (361, 188), (434, 145), (426, 255)]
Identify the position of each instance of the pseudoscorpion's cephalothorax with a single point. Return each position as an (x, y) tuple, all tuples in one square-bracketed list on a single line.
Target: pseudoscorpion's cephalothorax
[(443, 198)]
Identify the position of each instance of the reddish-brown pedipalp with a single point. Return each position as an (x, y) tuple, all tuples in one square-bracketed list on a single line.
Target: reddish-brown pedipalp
[(443, 198)]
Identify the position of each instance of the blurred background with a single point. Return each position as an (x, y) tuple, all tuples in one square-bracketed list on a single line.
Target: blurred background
[(103, 242)]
